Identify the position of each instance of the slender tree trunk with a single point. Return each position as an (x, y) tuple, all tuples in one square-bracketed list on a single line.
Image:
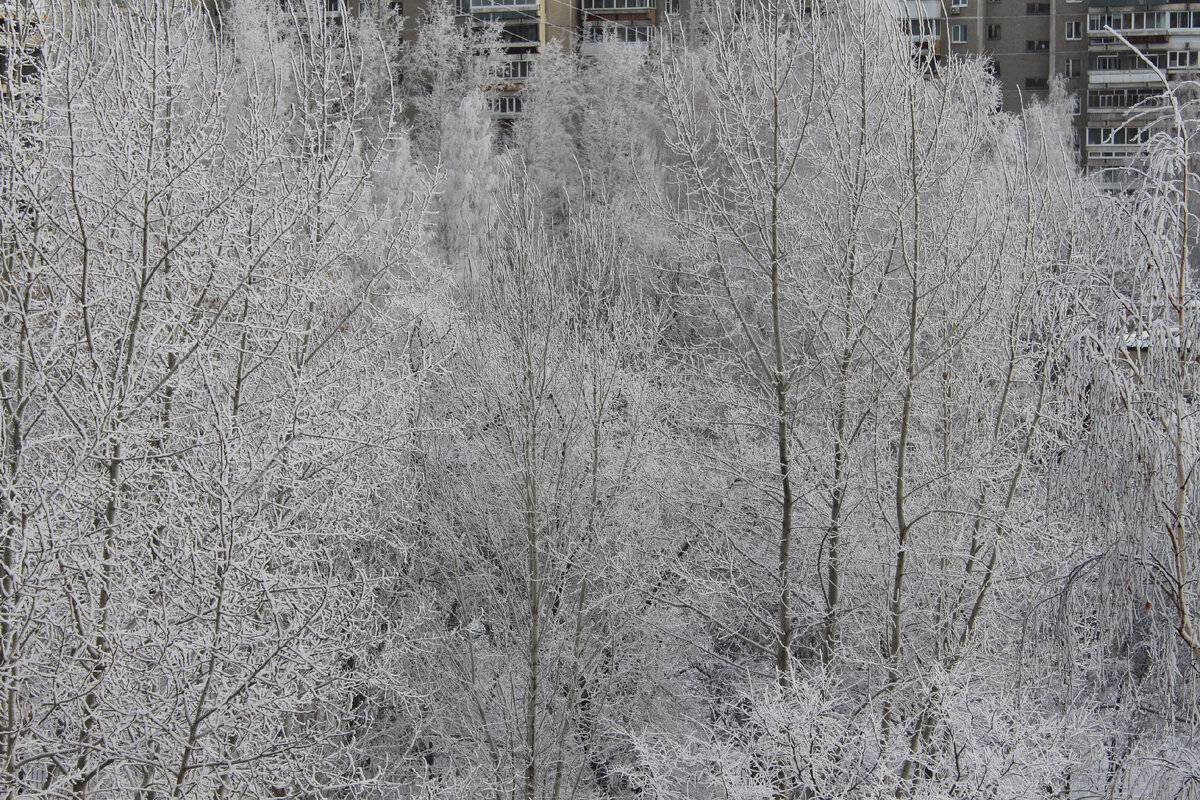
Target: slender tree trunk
[(903, 528)]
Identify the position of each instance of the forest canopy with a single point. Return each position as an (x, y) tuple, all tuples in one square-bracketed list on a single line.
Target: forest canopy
[(760, 413)]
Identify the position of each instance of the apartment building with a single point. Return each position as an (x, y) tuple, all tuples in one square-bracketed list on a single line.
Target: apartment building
[(1113, 87), (1123, 84), (528, 26), (1029, 43)]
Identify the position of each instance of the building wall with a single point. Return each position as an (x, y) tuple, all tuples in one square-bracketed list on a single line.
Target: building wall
[(1029, 43)]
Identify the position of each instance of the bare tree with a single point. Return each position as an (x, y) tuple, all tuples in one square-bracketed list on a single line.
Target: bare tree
[(193, 473), (536, 555), (872, 251)]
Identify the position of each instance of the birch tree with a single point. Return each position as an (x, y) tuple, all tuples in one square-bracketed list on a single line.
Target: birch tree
[(449, 60)]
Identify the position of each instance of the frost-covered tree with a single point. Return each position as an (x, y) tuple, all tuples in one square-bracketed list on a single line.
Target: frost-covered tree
[(1131, 588), (197, 433), (872, 255), (468, 198), (619, 130), (533, 557), (449, 60), (546, 135), (768, 416)]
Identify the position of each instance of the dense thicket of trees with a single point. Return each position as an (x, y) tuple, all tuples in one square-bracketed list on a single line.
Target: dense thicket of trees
[(763, 414)]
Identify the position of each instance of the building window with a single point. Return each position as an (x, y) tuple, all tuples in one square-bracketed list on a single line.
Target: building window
[(1121, 98), (1185, 19), (958, 3), (1108, 62), (958, 34), (1124, 136), (1074, 29), (1073, 68), (617, 5), (516, 69), (520, 34), (1076, 106), (600, 32), (1182, 59), (993, 32), (507, 104), (1039, 46), (924, 27), (1037, 8), (1129, 21), (1036, 83)]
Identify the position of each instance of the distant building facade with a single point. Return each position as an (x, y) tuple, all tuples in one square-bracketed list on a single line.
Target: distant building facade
[(1029, 44), (1167, 36), (1032, 42), (529, 26)]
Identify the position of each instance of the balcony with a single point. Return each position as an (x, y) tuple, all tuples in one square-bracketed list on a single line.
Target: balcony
[(1184, 21), (1118, 144), (1130, 24), (516, 69), (1113, 153), (332, 10), (926, 31), (486, 6), (1118, 110), (619, 5), (521, 33), (920, 9), (598, 35), (506, 106), (1121, 77), (513, 73)]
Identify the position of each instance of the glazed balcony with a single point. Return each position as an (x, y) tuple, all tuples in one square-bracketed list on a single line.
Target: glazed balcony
[(486, 6), (618, 5)]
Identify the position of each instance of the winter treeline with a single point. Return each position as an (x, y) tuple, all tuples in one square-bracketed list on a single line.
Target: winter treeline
[(760, 415)]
